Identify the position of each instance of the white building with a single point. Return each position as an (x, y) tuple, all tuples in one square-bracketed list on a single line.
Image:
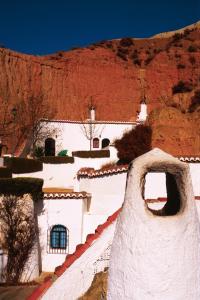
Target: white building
[(90, 134)]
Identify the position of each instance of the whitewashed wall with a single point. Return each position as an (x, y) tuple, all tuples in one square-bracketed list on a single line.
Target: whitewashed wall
[(71, 135), (77, 279), (107, 197), (195, 174), (67, 212)]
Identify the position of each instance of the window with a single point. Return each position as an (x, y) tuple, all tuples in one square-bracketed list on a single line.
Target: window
[(58, 240), (95, 143)]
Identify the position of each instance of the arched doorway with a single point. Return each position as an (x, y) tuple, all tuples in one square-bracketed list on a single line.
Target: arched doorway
[(105, 143), (50, 147)]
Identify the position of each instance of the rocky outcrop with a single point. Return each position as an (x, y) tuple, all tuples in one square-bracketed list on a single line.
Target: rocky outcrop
[(116, 74), (175, 132)]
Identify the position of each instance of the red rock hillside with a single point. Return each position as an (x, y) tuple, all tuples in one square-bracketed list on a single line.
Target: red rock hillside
[(117, 74)]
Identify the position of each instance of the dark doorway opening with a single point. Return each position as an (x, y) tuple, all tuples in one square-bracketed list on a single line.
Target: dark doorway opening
[(105, 143), (50, 147)]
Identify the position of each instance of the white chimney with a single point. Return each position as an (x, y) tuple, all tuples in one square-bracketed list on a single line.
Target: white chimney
[(143, 111), (92, 113)]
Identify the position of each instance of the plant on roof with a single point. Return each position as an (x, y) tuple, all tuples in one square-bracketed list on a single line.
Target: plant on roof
[(134, 143)]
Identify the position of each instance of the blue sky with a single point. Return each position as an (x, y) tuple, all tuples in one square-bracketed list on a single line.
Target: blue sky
[(47, 26)]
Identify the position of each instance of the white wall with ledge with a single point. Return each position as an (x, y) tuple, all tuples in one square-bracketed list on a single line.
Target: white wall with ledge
[(64, 175)]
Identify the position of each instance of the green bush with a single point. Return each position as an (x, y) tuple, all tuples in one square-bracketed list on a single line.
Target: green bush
[(38, 151), (92, 154), (5, 173), (22, 165), (57, 159), (62, 153), (20, 186)]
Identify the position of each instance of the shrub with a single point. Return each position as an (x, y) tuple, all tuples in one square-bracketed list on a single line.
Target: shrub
[(63, 153), (57, 159), (186, 32), (22, 165), (156, 51), (180, 66), (92, 154), (178, 45), (20, 186), (195, 101), (134, 55), (177, 36), (134, 143), (137, 61), (178, 55), (192, 60), (123, 50), (192, 48), (121, 55), (182, 87), (5, 173), (126, 42), (109, 45), (38, 151), (149, 59)]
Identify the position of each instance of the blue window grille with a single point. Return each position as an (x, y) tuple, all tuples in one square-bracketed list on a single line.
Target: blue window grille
[(58, 240)]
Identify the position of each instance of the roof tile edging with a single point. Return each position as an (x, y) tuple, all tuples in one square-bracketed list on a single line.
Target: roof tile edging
[(97, 173), (71, 258), (60, 195)]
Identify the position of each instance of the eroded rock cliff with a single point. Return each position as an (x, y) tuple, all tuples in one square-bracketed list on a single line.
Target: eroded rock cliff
[(116, 74)]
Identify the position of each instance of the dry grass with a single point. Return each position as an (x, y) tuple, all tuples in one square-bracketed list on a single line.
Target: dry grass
[(98, 289)]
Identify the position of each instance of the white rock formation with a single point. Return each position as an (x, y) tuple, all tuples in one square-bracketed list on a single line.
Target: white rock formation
[(156, 254)]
